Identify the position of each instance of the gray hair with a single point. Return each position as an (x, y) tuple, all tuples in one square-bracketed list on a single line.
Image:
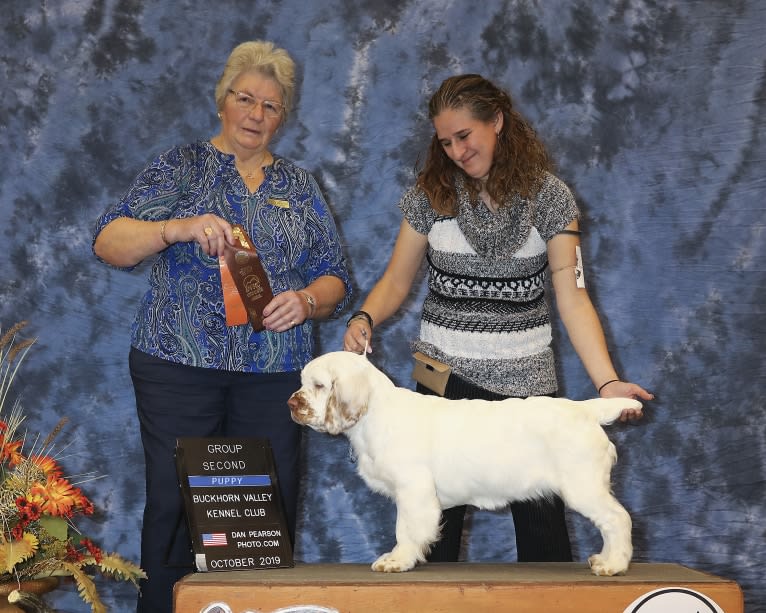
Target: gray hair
[(263, 57)]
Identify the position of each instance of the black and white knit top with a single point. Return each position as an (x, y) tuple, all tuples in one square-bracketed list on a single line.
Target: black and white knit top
[(485, 313)]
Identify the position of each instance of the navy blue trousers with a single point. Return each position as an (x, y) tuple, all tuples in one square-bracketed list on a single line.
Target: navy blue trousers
[(540, 525), (176, 401)]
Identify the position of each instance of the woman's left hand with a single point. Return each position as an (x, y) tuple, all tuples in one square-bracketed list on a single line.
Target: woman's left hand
[(285, 311), (625, 389)]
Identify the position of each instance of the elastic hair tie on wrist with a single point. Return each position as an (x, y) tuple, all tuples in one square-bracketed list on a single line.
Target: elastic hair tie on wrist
[(360, 315), (603, 385)]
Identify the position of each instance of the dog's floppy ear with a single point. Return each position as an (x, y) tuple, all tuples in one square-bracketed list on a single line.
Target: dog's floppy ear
[(347, 402)]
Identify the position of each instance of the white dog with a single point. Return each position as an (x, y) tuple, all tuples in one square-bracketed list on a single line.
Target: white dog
[(428, 453)]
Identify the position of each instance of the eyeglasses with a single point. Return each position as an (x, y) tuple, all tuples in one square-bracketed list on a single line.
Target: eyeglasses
[(247, 103)]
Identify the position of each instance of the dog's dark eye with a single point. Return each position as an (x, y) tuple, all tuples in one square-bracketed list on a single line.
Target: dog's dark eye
[(318, 386)]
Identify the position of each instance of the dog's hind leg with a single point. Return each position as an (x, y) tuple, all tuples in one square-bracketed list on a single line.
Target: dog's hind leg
[(596, 502), (417, 526), (614, 558)]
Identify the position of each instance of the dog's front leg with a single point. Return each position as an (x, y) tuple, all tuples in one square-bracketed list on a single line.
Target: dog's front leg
[(417, 526)]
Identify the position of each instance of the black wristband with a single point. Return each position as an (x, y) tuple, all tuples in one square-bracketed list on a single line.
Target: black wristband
[(603, 385), (360, 315)]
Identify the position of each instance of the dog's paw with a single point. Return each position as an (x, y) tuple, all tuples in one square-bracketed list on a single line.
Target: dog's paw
[(391, 563), (602, 567)]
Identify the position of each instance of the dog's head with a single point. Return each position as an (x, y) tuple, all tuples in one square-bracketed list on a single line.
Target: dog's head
[(334, 393)]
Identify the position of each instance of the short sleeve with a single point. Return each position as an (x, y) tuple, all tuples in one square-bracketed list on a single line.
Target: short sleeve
[(555, 207), (153, 193), (417, 210), (151, 196)]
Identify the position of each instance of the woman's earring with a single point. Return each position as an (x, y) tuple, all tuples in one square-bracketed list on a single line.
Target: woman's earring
[(219, 115)]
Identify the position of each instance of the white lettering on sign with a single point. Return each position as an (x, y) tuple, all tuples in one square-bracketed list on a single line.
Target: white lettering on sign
[(257, 497), (221, 481), (224, 465), (214, 498), (224, 448), (233, 563), (222, 513)]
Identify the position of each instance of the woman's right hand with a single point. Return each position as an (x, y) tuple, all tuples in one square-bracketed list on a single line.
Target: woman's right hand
[(390, 291), (210, 231), (358, 337)]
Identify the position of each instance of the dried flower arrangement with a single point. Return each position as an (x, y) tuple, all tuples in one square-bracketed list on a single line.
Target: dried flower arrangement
[(38, 503)]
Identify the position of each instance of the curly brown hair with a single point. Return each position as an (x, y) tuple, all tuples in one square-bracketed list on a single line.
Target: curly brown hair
[(520, 160)]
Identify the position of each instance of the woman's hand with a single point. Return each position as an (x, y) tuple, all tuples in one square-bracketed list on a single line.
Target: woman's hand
[(390, 291), (358, 337), (210, 231), (285, 311), (624, 389)]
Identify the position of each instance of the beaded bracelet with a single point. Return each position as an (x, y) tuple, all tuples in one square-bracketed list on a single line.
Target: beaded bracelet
[(603, 385), (360, 315)]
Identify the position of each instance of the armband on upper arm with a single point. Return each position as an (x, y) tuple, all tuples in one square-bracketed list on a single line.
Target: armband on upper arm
[(577, 267), (579, 273)]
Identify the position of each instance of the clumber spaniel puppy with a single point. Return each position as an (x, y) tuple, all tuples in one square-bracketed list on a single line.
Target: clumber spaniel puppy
[(428, 453)]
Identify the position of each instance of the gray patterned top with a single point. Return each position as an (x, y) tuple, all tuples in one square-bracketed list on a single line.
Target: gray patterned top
[(485, 313)]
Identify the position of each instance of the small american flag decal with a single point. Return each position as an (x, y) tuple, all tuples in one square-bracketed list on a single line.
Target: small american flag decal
[(214, 539)]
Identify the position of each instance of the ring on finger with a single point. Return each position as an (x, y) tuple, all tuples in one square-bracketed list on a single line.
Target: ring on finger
[(208, 231)]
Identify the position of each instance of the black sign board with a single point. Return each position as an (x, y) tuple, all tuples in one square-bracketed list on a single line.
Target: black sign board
[(233, 505)]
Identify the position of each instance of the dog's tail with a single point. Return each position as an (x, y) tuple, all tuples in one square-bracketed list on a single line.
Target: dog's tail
[(607, 410)]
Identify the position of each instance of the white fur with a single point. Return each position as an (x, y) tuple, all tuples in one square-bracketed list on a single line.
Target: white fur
[(428, 453)]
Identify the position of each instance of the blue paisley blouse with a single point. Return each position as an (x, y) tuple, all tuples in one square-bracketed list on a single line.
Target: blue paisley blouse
[(181, 317)]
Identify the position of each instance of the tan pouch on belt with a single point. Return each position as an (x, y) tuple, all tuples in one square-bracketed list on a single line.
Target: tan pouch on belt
[(431, 373)]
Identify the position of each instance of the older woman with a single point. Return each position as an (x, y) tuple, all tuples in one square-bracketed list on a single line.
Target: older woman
[(197, 369)]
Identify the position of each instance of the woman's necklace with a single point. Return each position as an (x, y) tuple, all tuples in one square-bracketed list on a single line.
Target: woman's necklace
[(256, 172), (253, 173)]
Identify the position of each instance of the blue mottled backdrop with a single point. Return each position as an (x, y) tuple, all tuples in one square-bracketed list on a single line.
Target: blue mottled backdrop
[(653, 110)]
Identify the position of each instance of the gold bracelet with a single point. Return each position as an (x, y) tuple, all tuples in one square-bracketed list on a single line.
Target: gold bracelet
[(310, 299), (162, 232)]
